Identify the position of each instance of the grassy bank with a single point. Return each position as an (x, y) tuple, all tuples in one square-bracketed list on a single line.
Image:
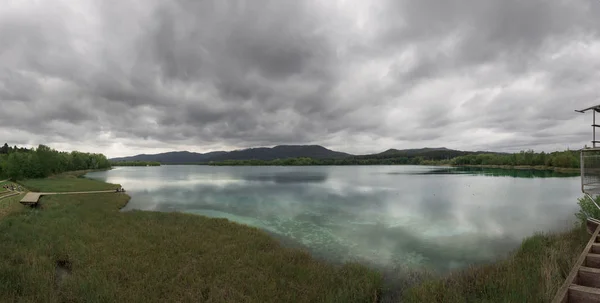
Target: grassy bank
[(82, 249), (71, 181), (533, 273), (10, 205), (2, 189)]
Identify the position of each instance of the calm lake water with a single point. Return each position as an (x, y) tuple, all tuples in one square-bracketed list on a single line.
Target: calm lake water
[(386, 216)]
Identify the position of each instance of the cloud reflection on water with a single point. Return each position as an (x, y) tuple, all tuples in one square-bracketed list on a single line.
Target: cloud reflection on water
[(413, 218)]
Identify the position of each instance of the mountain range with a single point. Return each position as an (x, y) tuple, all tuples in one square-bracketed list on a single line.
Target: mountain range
[(289, 151)]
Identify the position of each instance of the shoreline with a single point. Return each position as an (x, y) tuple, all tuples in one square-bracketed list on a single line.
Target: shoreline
[(508, 167), (523, 167)]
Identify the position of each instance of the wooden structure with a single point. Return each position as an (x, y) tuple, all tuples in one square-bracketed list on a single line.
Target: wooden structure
[(590, 164), (583, 282), (31, 199)]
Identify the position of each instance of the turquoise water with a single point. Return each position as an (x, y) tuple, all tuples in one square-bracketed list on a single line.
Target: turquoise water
[(386, 216)]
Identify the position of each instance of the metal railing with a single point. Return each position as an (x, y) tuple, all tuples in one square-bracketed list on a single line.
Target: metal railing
[(590, 177), (590, 166), (590, 170)]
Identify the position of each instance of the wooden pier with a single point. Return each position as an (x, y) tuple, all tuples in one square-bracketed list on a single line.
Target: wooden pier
[(583, 282)]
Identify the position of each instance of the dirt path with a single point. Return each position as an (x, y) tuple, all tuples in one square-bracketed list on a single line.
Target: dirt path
[(14, 193), (8, 193)]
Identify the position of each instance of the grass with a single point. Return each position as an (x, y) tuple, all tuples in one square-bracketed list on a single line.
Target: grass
[(10, 205), (65, 183), (2, 189), (80, 248), (533, 273)]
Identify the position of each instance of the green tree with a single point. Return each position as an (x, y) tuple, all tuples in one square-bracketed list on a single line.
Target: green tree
[(4, 149)]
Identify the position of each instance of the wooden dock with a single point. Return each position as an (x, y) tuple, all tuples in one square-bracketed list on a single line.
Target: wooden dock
[(583, 282), (32, 198)]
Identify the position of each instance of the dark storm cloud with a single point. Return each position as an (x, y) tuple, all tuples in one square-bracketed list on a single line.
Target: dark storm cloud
[(357, 76)]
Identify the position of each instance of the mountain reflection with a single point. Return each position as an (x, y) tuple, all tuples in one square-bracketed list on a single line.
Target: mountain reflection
[(289, 177)]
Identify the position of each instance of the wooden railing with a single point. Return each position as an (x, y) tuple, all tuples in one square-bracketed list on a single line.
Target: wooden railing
[(582, 285)]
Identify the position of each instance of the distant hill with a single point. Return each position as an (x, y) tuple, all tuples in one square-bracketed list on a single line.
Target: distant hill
[(416, 151), (294, 151), (171, 157), (281, 152), (260, 153), (429, 153)]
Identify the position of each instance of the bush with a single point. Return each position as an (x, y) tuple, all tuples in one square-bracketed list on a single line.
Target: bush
[(588, 209)]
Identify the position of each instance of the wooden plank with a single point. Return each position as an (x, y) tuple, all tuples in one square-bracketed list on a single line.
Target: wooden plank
[(592, 260), (595, 248), (31, 197), (563, 291), (583, 294), (589, 269), (589, 277), (591, 226)]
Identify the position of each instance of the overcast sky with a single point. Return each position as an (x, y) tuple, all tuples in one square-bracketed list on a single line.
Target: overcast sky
[(128, 77)]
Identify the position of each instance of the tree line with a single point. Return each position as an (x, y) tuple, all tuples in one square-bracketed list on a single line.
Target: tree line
[(22, 163), (5, 149), (135, 163), (311, 161), (565, 159)]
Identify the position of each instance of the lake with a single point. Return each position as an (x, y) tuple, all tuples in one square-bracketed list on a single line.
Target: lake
[(439, 218)]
